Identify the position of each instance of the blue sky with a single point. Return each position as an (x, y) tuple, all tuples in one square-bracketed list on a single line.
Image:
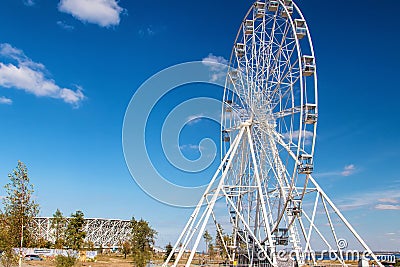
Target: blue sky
[(78, 66)]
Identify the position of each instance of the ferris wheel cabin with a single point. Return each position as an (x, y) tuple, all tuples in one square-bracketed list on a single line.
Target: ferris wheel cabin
[(233, 74), (305, 164), (295, 210), (308, 65), (273, 6), (240, 50), (259, 9), (288, 8), (301, 30), (310, 113), (228, 105), (281, 236), (225, 136), (248, 27)]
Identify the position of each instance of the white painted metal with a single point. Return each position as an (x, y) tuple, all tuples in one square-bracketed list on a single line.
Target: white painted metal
[(105, 233), (268, 125)]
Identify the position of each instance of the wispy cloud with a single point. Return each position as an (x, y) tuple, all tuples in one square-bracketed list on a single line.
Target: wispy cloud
[(147, 31), (387, 207), (370, 200), (190, 147), (294, 136), (5, 100), (65, 26), (217, 65), (193, 119), (104, 13), (389, 203), (389, 200), (348, 170), (32, 77), (29, 2)]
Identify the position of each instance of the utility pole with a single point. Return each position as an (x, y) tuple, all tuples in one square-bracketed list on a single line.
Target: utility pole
[(22, 240)]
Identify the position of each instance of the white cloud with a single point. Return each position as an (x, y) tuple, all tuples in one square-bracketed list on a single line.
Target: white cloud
[(8, 51), (193, 119), (29, 2), (348, 170), (5, 100), (387, 207), (389, 200), (217, 65), (148, 31), (31, 77), (369, 200), (307, 135), (64, 25), (190, 147), (214, 62), (105, 13)]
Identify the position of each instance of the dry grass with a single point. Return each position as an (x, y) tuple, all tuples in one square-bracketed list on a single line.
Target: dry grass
[(102, 261)]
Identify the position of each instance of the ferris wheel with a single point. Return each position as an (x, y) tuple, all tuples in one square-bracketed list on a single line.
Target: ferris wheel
[(268, 129), (271, 87)]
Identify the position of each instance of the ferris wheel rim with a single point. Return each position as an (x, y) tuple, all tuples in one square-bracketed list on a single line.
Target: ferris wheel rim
[(302, 89), (299, 56)]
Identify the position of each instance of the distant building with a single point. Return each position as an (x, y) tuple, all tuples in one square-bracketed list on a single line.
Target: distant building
[(103, 233)]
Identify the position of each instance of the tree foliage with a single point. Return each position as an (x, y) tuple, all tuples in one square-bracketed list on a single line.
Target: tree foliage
[(126, 248), (74, 233), (220, 239), (19, 210), (65, 261), (207, 238), (211, 251), (8, 258), (59, 224), (168, 250), (142, 241)]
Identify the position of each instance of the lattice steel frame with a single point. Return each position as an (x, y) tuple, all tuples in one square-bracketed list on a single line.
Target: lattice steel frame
[(269, 121), (105, 233)]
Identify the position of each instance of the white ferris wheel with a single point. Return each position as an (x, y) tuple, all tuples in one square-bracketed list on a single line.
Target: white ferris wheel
[(269, 121)]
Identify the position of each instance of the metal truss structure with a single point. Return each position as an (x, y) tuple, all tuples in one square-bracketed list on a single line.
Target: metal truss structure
[(277, 212), (103, 233)]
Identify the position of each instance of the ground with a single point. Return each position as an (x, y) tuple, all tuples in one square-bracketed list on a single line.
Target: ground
[(103, 261)]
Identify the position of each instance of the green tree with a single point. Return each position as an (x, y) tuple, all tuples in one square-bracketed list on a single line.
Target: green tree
[(65, 261), (168, 251), (126, 248), (74, 233), (207, 238), (220, 239), (58, 224), (19, 209), (211, 251), (142, 241), (8, 258), (89, 245)]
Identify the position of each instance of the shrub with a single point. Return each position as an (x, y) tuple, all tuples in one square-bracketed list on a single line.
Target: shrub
[(8, 258), (65, 261)]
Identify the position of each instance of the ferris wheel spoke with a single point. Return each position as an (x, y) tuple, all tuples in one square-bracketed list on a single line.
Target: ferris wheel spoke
[(276, 58), (266, 92), (290, 72), (273, 98)]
